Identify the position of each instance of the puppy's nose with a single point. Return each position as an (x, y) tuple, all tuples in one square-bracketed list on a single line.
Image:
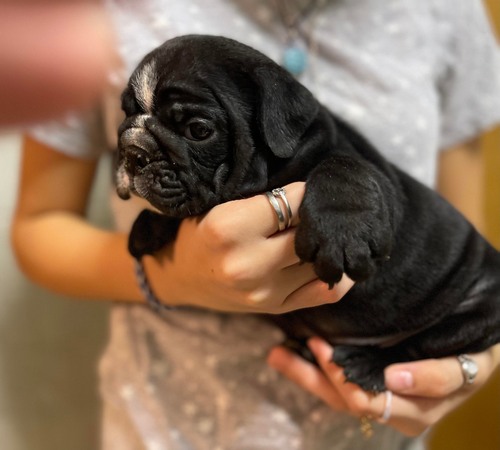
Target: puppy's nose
[(136, 159)]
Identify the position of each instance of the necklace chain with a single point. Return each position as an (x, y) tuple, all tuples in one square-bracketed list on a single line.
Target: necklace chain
[(296, 53), (293, 22)]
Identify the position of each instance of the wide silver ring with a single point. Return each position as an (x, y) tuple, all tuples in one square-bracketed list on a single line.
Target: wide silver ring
[(280, 192), (468, 367), (284, 216)]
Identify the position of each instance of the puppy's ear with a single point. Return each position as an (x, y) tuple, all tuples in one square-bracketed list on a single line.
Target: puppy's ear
[(285, 111)]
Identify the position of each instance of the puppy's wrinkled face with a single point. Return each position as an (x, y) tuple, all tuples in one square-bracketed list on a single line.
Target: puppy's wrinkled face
[(207, 118), (172, 144)]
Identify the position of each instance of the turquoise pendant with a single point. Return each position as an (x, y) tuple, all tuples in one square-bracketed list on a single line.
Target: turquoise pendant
[(295, 60)]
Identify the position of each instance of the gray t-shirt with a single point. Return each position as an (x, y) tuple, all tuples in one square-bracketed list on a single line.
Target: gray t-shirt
[(413, 77)]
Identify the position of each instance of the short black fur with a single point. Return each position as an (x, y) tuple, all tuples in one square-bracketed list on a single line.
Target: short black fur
[(428, 285)]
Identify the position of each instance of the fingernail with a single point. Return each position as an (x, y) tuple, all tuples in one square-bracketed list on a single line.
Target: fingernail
[(400, 380)]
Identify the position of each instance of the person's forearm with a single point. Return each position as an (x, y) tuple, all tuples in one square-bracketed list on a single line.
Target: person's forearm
[(460, 181), (74, 258)]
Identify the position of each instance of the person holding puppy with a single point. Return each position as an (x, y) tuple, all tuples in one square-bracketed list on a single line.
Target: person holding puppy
[(197, 377)]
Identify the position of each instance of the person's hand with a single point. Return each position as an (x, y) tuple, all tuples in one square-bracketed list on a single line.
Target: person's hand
[(233, 259), (54, 56), (423, 391)]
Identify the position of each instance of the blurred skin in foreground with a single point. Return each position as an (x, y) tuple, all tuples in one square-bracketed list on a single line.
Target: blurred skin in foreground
[(54, 57)]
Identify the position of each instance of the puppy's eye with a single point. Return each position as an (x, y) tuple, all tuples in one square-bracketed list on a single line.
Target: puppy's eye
[(198, 130)]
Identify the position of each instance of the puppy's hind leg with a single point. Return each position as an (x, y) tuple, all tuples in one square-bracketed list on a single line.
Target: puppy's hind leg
[(474, 325), (150, 232), (364, 365)]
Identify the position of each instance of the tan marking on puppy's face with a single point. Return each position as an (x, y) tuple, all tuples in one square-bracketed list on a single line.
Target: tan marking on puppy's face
[(144, 85)]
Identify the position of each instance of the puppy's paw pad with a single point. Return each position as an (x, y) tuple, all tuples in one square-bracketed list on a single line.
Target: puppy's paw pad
[(336, 248)]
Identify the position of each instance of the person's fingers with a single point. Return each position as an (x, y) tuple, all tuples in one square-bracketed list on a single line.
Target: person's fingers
[(434, 377), (272, 291), (308, 291), (252, 217), (410, 414), (277, 251), (358, 402), (317, 293), (328, 384), (306, 375), (259, 261), (286, 290)]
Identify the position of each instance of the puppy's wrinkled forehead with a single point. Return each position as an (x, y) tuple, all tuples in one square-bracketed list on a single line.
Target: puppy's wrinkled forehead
[(192, 60), (143, 83)]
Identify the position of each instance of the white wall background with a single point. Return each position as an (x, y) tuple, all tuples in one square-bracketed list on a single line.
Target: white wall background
[(49, 345)]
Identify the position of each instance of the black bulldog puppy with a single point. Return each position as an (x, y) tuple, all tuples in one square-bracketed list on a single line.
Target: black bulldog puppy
[(211, 120)]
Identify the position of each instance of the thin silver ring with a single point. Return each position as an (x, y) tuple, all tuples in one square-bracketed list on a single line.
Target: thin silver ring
[(386, 415), (277, 208), (468, 367), (281, 193)]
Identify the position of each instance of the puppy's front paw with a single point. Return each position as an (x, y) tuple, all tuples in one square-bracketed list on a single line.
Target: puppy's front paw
[(150, 232), (337, 242), (312, 244), (345, 227)]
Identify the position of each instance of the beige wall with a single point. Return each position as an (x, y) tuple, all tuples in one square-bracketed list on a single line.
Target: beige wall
[(492, 152), (477, 424)]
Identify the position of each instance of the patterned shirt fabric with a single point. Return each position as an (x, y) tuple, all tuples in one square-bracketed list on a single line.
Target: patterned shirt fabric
[(413, 77)]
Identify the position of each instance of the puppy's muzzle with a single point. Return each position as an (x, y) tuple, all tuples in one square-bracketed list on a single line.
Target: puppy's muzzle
[(136, 159), (137, 143), (137, 147)]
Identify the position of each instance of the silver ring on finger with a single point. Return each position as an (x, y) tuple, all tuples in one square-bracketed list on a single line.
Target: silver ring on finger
[(386, 415), (284, 216), (469, 369), (277, 208), (280, 192)]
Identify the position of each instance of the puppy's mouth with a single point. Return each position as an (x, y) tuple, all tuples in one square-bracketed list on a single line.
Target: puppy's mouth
[(159, 173), (144, 171), (157, 183)]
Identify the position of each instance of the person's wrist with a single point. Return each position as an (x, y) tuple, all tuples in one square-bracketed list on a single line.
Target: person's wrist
[(146, 269)]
